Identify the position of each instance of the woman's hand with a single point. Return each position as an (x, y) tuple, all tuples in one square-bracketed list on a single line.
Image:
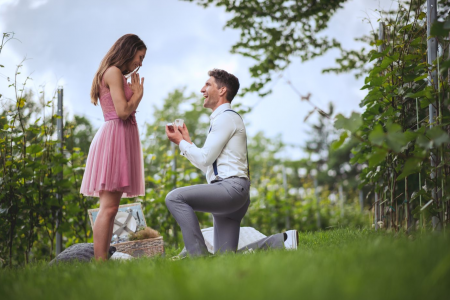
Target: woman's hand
[(185, 133), (137, 86)]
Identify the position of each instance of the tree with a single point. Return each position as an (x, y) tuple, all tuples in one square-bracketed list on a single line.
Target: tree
[(273, 32)]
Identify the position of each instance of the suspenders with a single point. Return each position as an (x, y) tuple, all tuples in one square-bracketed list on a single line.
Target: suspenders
[(246, 148)]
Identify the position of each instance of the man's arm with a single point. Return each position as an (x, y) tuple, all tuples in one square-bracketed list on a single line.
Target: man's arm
[(221, 132), (202, 168)]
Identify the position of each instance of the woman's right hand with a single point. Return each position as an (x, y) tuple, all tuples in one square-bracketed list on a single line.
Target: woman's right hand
[(137, 86)]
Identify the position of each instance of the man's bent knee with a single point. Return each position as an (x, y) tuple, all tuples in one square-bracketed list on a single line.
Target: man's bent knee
[(172, 198)]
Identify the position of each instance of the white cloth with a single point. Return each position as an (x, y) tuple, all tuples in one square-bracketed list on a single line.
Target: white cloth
[(226, 142), (121, 256), (247, 235)]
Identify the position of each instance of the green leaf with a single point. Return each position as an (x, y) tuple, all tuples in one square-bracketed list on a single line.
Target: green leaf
[(438, 136), (377, 156), (33, 149), (412, 165), (21, 102), (376, 81), (386, 62), (377, 135), (422, 15), (440, 28), (405, 28), (352, 124), (336, 144), (416, 95), (396, 140), (424, 142), (420, 77)]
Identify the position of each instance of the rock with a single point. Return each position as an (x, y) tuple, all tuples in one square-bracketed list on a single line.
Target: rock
[(83, 252)]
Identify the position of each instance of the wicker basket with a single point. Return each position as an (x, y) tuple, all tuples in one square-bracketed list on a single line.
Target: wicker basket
[(148, 247), (138, 248)]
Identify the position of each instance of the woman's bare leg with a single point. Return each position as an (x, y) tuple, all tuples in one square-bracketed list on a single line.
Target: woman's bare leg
[(109, 204), (111, 228)]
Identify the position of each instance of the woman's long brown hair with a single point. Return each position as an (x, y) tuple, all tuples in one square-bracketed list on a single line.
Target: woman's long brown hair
[(121, 53)]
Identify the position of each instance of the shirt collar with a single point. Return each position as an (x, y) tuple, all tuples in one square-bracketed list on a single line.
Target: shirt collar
[(220, 110)]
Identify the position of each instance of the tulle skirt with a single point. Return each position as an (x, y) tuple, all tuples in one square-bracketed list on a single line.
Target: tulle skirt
[(115, 161)]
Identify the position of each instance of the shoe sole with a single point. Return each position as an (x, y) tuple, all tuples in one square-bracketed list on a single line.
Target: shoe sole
[(296, 240)]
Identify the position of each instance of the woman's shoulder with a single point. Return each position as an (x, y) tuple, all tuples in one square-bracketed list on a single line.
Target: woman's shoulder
[(112, 72), (112, 75)]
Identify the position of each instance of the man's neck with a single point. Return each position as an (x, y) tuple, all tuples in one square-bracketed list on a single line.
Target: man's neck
[(222, 101)]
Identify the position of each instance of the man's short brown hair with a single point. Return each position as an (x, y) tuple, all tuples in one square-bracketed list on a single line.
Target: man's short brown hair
[(225, 79)]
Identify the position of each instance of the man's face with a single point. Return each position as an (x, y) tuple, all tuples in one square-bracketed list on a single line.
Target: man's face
[(211, 93)]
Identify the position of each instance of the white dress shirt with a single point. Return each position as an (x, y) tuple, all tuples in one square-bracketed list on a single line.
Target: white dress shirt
[(226, 143)]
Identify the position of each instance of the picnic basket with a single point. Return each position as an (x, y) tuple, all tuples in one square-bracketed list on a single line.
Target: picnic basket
[(134, 216)]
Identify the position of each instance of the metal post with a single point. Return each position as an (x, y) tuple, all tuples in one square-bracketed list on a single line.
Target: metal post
[(59, 127), (377, 207), (319, 223), (420, 172), (432, 47), (288, 221), (381, 35), (342, 200), (174, 180), (361, 200), (376, 211)]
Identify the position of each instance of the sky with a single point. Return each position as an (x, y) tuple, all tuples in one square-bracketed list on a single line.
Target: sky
[(64, 42)]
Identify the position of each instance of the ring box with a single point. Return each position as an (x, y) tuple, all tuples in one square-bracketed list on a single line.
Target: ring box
[(179, 122)]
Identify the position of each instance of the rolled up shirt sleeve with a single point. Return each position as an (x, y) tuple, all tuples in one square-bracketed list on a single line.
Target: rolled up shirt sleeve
[(222, 130)]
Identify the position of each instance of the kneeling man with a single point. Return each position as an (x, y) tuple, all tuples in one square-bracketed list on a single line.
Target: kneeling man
[(224, 159)]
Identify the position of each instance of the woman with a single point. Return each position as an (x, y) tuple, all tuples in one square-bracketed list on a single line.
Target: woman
[(114, 167)]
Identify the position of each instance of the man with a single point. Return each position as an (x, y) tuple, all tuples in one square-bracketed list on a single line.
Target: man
[(224, 159)]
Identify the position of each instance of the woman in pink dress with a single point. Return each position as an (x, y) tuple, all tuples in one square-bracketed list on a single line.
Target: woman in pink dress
[(114, 167)]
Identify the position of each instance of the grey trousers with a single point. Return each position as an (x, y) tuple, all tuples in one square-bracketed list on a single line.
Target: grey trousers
[(227, 200)]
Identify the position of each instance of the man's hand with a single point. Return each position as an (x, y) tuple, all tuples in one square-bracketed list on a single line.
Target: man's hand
[(185, 133), (175, 135)]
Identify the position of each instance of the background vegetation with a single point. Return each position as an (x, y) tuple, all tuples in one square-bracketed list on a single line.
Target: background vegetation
[(382, 155)]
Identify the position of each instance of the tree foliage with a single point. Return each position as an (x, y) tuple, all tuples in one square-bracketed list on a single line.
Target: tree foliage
[(274, 32), (395, 134)]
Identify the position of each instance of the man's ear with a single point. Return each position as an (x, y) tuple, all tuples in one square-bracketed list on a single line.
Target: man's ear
[(222, 91)]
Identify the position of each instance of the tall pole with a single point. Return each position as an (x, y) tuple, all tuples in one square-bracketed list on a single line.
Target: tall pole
[(285, 186), (361, 200), (59, 128), (316, 193), (420, 171), (342, 199), (432, 47), (377, 208)]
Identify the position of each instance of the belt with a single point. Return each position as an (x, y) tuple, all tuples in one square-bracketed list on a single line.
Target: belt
[(222, 179)]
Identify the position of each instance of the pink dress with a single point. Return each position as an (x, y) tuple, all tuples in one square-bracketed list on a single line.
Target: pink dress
[(115, 160)]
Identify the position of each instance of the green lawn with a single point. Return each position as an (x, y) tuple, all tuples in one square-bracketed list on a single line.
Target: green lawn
[(338, 264)]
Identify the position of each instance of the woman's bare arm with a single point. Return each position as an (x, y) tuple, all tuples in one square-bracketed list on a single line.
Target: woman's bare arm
[(114, 80)]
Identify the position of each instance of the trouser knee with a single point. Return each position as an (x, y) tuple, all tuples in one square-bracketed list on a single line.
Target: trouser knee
[(173, 198)]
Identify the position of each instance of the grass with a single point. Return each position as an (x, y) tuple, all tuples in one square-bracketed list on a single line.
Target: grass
[(338, 264)]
